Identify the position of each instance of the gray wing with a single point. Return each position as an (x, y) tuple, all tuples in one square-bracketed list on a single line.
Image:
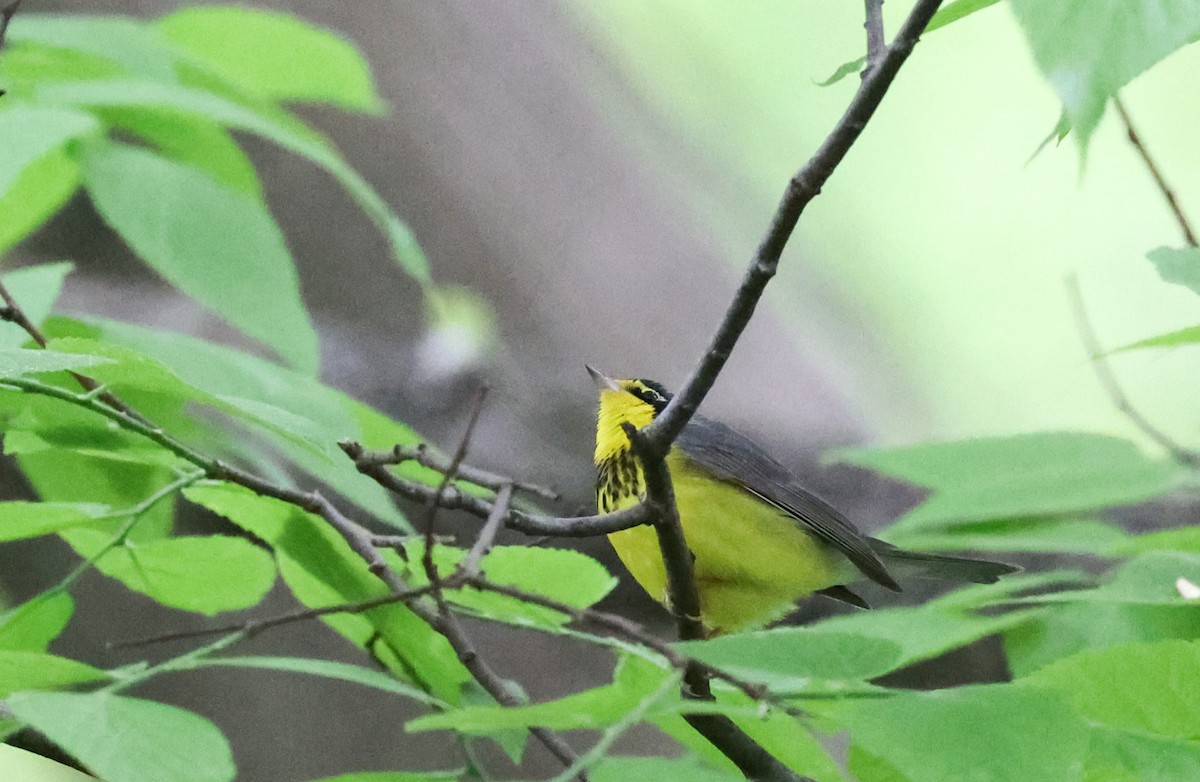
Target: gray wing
[(735, 458)]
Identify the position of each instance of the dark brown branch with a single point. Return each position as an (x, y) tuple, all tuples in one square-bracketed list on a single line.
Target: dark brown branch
[(425, 457), (802, 188), (876, 43), (1189, 235), (528, 523), (487, 535), (1108, 380)]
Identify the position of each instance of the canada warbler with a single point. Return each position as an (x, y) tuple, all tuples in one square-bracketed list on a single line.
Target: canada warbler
[(760, 541)]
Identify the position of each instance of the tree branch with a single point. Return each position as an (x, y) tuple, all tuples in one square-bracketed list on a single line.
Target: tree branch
[(876, 43), (802, 188), (1108, 380), (1189, 235)]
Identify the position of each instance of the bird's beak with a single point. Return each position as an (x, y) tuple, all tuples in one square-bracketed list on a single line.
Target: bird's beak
[(603, 382)]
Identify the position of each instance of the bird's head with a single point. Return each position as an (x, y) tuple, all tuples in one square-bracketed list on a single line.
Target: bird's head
[(635, 401)]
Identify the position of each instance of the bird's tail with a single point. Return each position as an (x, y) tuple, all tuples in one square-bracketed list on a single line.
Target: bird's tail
[(914, 564)]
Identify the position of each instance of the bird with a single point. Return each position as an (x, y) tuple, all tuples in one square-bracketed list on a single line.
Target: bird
[(759, 540)]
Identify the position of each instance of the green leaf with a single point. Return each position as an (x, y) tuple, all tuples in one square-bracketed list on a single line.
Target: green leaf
[(1064, 630), (328, 669), (207, 575), (621, 769), (35, 623), (777, 732), (633, 681), (36, 671), (1173, 339), (1149, 579), (218, 245), (29, 133), (1041, 535), (1145, 687), (394, 776), (1090, 49), (925, 631), (18, 362), (128, 42), (40, 191), (278, 127), (1180, 266), (194, 141), (36, 288), (21, 764), (950, 12), (1121, 755), (789, 659), (127, 369), (1015, 734), (321, 570), (30, 519), (274, 55), (563, 575), (1047, 473), (127, 739), (219, 370)]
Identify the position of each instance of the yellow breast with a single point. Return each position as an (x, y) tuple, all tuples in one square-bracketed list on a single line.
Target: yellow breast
[(752, 561)]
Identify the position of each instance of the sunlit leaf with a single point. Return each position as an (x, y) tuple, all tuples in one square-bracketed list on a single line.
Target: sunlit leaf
[(18, 362), (1063, 630), (36, 671), (1047, 473), (29, 133), (321, 570), (1089, 49), (1015, 734), (279, 128), (125, 41), (623, 769), (1148, 687), (34, 624), (36, 288), (40, 191), (1040, 535), (1134, 757), (216, 244), (328, 669), (789, 659), (1172, 339), (275, 55), (128, 739), (635, 680), (30, 519), (206, 574)]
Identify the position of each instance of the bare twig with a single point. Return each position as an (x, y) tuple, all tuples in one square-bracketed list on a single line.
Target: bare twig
[(1107, 379), (487, 535), (1189, 235), (424, 456), (876, 43), (529, 523)]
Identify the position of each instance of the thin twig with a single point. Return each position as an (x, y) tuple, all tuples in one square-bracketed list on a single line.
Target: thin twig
[(1189, 235), (452, 498), (426, 457), (1107, 379), (876, 43), (487, 535)]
